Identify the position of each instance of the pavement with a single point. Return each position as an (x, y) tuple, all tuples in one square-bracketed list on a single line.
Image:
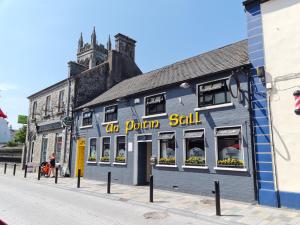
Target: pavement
[(63, 203)]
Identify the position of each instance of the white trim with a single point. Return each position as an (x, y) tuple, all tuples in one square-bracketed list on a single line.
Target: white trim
[(241, 145), (85, 127), (101, 148), (120, 164), (89, 145), (214, 106), (105, 123), (231, 169), (115, 150), (166, 165), (155, 115), (195, 167), (111, 122), (91, 162), (184, 148), (158, 141), (103, 163), (147, 134)]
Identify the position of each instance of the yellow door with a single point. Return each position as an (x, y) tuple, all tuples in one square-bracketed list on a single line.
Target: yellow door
[(80, 156)]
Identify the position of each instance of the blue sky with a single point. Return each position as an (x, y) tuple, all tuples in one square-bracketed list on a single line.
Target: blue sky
[(38, 38)]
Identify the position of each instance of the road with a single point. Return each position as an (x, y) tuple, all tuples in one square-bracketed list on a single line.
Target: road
[(23, 202)]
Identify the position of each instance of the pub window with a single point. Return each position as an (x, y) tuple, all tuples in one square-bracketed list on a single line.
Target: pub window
[(61, 103), (214, 93), (92, 149), (58, 147), (105, 151), (167, 148), (120, 155), (34, 108), (155, 104), (194, 148), (48, 105), (111, 113), (229, 147), (87, 119)]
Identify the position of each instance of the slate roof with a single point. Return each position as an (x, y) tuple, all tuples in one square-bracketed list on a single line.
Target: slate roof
[(221, 59)]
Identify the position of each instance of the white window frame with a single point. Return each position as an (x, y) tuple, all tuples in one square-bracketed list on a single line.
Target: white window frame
[(87, 126), (101, 149), (184, 149), (158, 156), (229, 104), (217, 153), (55, 144), (115, 150), (155, 115), (115, 121), (89, 146)]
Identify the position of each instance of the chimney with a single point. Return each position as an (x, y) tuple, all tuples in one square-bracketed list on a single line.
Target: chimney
[(125, 45)]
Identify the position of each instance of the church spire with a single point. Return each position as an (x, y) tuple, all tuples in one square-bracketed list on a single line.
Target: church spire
[(108, 43), (93, 38), (80, 42)]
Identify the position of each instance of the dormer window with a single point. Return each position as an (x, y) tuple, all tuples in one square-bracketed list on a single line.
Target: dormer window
[(111, 113), (87, 119), (155, 104)]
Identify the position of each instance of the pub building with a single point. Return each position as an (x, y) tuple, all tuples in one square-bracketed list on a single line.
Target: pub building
[(188, 124)]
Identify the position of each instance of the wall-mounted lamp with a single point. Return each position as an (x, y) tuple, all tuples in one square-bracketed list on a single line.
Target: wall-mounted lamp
[(86, 109), (185, 85)]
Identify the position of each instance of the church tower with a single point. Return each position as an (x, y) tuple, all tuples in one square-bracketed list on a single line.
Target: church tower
[(93, 54)]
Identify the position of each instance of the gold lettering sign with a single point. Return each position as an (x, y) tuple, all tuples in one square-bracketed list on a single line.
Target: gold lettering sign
[(174, 120)]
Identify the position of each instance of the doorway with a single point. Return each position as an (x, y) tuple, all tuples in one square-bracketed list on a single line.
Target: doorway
[(80, 157), (144, 164), (44, 149)]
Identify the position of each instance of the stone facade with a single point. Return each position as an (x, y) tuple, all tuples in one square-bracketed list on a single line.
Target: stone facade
[(96, 70)]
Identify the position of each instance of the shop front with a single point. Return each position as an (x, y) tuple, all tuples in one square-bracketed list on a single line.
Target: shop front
[(187, 135)]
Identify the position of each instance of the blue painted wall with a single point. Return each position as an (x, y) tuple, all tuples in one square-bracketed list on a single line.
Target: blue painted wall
[(267, 194), (234, 184)]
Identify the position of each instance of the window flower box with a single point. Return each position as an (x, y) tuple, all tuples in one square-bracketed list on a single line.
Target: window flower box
[(167, 161), (231, 163), (120, 159), (104, 159), (92, 158), (195, 161)]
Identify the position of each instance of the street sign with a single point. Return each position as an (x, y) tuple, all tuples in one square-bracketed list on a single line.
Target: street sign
[(22, 119)]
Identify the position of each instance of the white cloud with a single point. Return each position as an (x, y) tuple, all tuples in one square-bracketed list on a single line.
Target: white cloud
[(8, 87)]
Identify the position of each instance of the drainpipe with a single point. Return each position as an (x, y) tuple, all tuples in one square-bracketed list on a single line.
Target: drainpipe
[(67, 113), (252, 138)]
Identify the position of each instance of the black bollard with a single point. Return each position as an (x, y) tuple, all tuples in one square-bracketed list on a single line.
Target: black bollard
[(217, 195), (56, 174), (151, 188), (39, 173), (108, 182), (5, 166), (15, 166), (25, 171), (78, 178)]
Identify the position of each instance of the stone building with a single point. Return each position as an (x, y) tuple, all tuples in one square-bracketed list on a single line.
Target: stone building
[(97, 68)]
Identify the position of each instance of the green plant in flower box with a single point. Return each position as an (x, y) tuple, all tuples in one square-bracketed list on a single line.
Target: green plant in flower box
[(167, 161), (195, 161), (104, 159), (120, 159), (231, 162), (92, 158)]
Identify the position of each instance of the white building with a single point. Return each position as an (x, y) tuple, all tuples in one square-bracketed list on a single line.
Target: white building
[(281, 38), (4, 131)]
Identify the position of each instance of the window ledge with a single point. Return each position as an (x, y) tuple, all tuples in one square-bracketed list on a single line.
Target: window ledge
[(196, 167), (84, 127), (163, 165), (214, 106), (104, 163), (153, 116), (120, 164), (231, 169), (110, 122), (91, 162)]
